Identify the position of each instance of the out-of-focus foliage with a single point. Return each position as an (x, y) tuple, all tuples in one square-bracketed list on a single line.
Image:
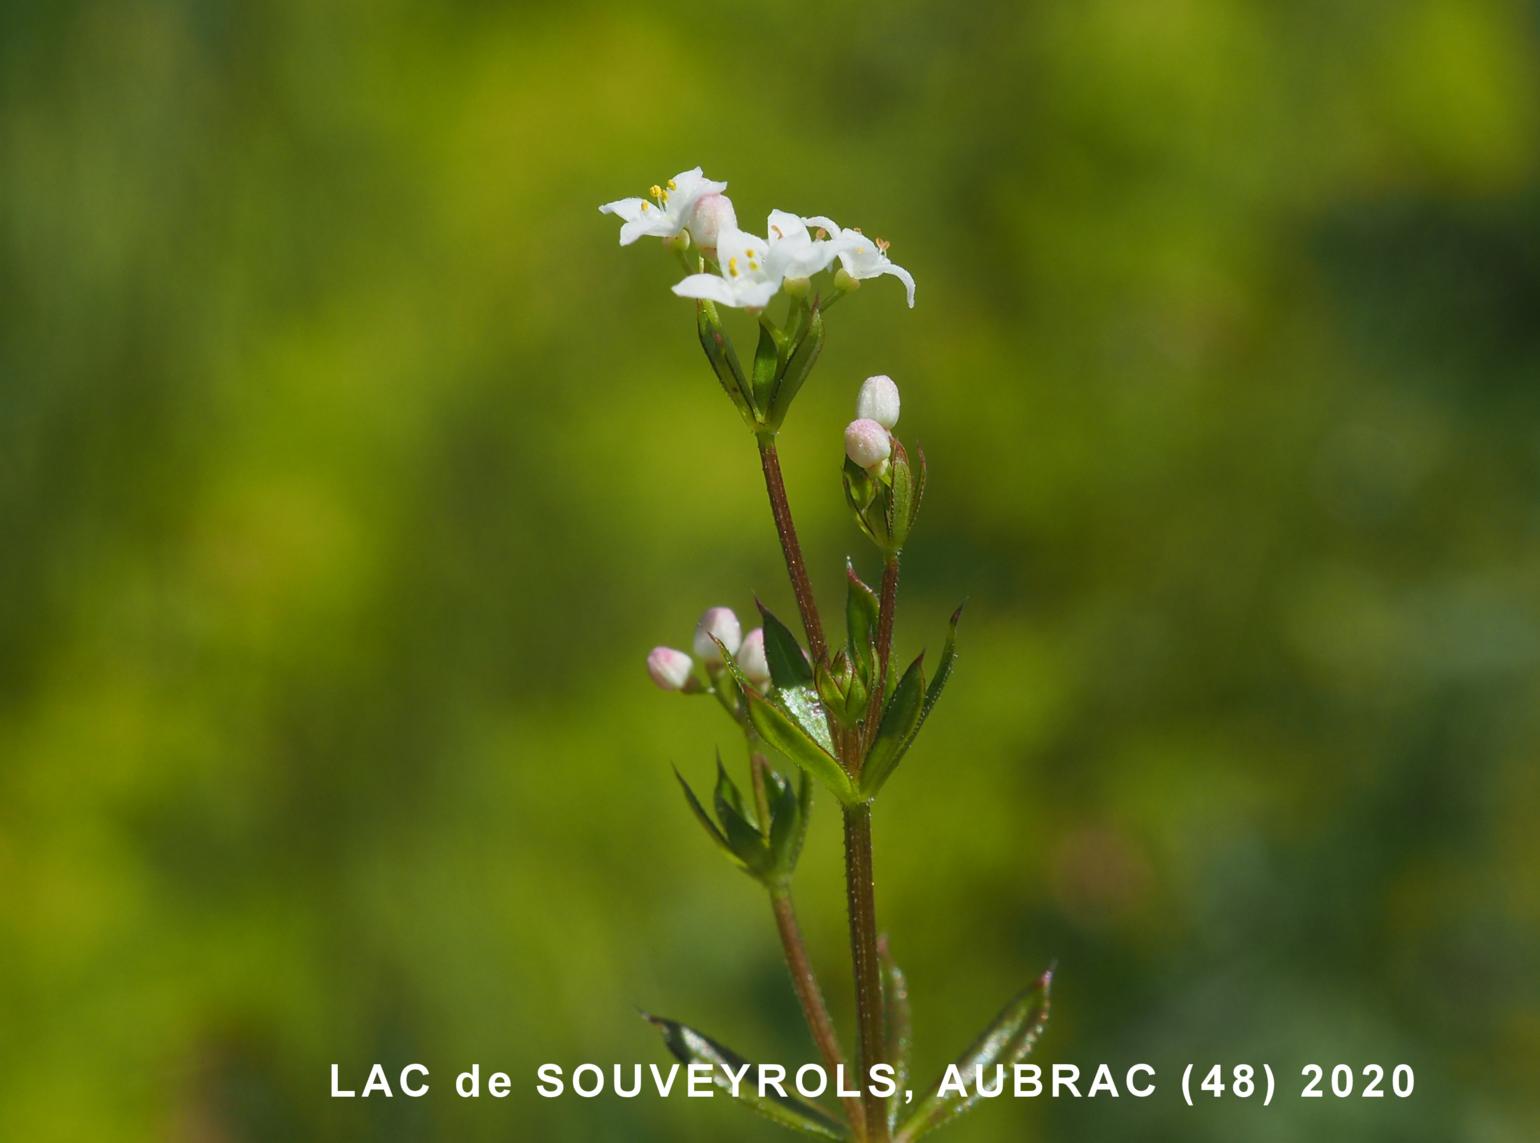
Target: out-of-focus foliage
[(348, 470)]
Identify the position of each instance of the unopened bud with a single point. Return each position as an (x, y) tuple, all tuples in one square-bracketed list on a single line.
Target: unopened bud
[(751, 658), (669, 668), (845, 282), (713, 214), (878, 401), (718, 625), (867, 443)]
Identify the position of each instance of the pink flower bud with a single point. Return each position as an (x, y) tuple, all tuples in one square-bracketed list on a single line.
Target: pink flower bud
[(751, 658), (867, 443), (878, 401), (713, 214), (669, 668), (719, 624)]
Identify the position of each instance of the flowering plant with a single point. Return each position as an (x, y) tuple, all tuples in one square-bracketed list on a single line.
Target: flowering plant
[(838, 711)]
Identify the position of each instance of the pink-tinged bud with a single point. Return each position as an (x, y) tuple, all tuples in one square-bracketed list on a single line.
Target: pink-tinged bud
[(751, 658), (867, 443), (713, 214), (669, 668), (878, 401), (719, 624)]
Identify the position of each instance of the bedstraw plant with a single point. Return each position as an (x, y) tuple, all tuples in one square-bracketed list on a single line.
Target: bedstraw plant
[(833, 704)]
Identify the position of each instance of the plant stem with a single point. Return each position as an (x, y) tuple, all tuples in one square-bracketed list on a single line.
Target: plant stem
[(801, 586), (872, 1127), (757, 768), (805, 983), (863, 949)]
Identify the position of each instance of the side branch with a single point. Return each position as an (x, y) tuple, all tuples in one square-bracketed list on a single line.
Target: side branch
[(786, 530)]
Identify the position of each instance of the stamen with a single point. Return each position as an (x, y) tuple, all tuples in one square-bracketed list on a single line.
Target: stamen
[(656, 192), (672, 185), (882, 245), (779, 233), (732, 267)]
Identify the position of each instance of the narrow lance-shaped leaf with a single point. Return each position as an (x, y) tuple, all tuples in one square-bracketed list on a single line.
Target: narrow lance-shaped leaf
[(900, 498), (767, 360), (691, 1047), (1007, 1041), (793, 735), (861, 611), (919, 488), (896, 1024), (788, 665), (742, 834), (944, 668), (788, 818), (703, 817), (723, 358), (798, 366), (900, 720), (873, 776)]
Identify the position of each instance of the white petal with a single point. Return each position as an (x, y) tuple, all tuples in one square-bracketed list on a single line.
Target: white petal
[(743, 256), (650, 223), (687, 189), (903, 276), (784, 225), (625, 208), (827, 223), (707, 287), (859, 255), (756, 295)]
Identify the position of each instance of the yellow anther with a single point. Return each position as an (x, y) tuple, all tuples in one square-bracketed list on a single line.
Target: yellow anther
[(672, 185), (656, 192), (753, 265), (882, 245), (732, 267), (855, 230), (646, 206)]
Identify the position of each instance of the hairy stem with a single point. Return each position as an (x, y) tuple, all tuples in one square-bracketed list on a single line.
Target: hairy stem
[(872, 1126), (801, 586), (863, 949), (805, 982), (757, 768)]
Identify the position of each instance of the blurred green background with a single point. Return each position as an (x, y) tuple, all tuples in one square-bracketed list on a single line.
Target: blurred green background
[(348, 470)]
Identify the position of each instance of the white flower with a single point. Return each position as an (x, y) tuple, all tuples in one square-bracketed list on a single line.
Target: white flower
[(718, 625), (793, 250), (867, 443), (862, 258), (669, 668), (878, 401), (751, 658), (747, 279), (670, 211), (713, 214)]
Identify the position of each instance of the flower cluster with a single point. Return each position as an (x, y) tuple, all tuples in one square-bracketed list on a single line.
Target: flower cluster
[(718, 630), (739, 269)]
